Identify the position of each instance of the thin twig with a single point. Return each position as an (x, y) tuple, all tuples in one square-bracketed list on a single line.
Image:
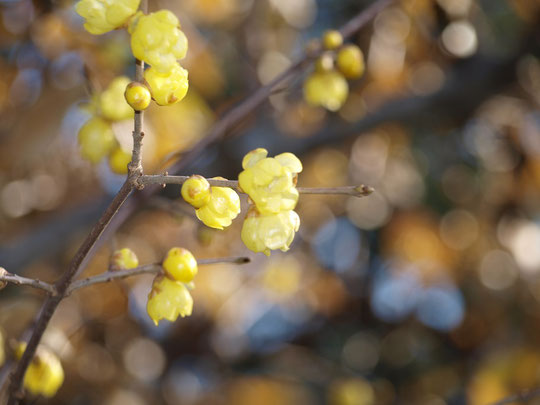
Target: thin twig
[(19, 280), (135, 168), (153, 268), (356, 191)]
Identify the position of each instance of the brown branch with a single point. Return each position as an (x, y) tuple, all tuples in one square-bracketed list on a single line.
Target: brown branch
[(153, 268), (19, 280), (519, 397), (356, 191)]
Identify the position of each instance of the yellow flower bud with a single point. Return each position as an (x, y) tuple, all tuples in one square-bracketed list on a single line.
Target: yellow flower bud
[(170, 87), (223, 207), (138, 96), (270, 182), (112, 103), (332, 39), (180, 265), (196, 191), (168, 299), (263, 233), (326, 89), (350, 62), (45, 374), (96, 139), (102, 16), (156, 39), (123, 259)]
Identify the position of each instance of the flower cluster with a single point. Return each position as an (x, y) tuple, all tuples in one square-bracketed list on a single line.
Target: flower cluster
[(96, 136), (327, 85), (45, 374), (169, 296), (270, 183), (216, 206), (157, 40)]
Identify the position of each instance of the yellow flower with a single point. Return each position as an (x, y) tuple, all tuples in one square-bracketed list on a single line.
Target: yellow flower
[(263, 233), (102, 16), (270, 182), (168, 299), (326, 89), (180, 265), (350, 62), (124, 259), (167, 88), (156, 39), (119, 160), (138, 96), (196, 191), (223, 207), (45, 374), (112, 103), (96, 139)]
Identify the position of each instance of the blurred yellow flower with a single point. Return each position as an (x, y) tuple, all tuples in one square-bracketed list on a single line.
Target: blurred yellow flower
[(156, 39), (196, 191), (350, 62), (119, 160), (45, 374), (124, 259), (180, 265), (326, 89), (102, 16), (168, 299), (96, 139), (351, 391), (263, 233), (223, 207), (112, 103), (270, 182), (167, 87)]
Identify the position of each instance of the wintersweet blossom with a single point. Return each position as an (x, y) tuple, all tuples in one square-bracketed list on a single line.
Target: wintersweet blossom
[(156, 39), (45, 374), (270, 182), (102, 16), (168, 299), (223, 207), (263, 233)]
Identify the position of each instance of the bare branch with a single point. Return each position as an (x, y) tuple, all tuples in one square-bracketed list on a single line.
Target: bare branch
[(153, 268), (356, 191), (19, 280)]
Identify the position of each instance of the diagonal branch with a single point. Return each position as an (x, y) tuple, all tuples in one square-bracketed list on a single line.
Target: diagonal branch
[(356, 191), (152, 268)]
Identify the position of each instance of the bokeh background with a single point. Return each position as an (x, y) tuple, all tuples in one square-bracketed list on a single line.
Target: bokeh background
[(427, 292)]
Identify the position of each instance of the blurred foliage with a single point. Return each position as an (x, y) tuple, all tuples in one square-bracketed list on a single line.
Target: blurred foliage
[(426, 292)]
